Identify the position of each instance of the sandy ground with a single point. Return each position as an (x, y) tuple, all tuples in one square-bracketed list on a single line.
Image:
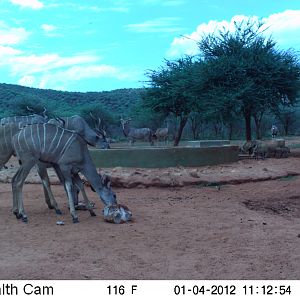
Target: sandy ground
[(248, 230)]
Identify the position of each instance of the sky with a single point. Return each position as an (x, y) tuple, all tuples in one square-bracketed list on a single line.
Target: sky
[(101, 45)]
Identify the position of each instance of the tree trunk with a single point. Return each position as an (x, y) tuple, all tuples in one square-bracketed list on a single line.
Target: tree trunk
[(257, 128), (230, 131), (286, 128), (182, 123), (258, 120), (195, 128), (247, 116)]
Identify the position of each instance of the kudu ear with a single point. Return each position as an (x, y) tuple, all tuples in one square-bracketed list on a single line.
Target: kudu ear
[(102, 133), (97, 122), (61, 121)]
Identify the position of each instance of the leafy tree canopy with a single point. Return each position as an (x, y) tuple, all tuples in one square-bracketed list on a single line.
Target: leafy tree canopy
[(246, 73)]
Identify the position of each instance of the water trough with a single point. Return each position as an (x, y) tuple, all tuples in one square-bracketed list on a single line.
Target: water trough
[(208, 143), (164, 157)]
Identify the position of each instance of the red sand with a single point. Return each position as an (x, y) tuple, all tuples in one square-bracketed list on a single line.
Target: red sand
[(243, 231)]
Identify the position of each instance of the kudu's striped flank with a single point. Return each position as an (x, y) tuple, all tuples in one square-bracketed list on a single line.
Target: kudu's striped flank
[(64, 149), (24, 120), (48, 140), (7, 132)]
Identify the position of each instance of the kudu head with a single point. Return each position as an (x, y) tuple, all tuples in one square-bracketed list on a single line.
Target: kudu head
[(103, 142), (125, 123), (105, 192), (248, 147)]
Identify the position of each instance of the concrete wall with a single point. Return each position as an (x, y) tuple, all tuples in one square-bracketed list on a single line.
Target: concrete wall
[(208, 143), (164, 157)]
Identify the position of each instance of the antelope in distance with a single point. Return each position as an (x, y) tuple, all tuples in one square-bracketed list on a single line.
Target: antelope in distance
[(133, 134), (65, 150), (161, 134), (25, 120)]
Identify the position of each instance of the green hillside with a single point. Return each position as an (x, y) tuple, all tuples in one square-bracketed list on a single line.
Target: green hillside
[(117, 102)]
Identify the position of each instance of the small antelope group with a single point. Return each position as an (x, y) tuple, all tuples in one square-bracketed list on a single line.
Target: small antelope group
[(59, 143), (144, 134)]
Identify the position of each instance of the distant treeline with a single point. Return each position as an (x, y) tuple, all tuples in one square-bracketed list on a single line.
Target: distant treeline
[(111, 105)]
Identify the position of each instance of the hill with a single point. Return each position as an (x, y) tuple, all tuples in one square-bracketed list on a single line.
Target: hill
[(117, 102)]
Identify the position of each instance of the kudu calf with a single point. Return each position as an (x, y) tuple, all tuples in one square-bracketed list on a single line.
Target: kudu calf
[(64, 149), (133, 134)]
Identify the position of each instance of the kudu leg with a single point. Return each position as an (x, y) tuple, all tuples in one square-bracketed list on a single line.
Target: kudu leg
[(78, 182), (69, 187), (17, 188), (70, 192), (47, 198), (50, 200)]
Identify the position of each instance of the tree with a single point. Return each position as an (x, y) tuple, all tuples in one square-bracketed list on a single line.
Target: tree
[(246, 74), (173, 90), (287, 117), (195, 122), (145, 117)]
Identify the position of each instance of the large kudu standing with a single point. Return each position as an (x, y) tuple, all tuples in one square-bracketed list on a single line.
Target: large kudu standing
[(133, 134), (64, 149), (74, 123), (95, 138)]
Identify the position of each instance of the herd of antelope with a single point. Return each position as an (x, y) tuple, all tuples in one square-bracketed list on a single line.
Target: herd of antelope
[(62, 144), (143, 134)]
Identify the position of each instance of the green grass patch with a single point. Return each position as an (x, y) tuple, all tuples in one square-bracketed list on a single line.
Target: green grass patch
[(209, 184), (289, 178)]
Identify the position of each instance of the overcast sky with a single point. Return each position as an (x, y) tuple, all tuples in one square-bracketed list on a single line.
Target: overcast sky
[(97, 45)]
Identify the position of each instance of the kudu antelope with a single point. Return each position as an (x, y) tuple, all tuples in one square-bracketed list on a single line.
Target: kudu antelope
[(161, 134), (64, 149), (95, 138), (7, 132), (76, 124), (134, 134), (24, 120)]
